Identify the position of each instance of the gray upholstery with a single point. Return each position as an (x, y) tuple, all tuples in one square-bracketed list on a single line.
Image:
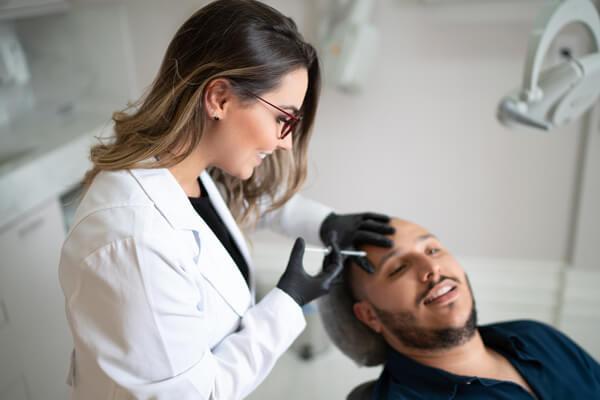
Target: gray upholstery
[(350, 335), (362, 392)]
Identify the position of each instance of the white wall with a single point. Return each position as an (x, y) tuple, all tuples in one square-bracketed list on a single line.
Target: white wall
[(79, 57)]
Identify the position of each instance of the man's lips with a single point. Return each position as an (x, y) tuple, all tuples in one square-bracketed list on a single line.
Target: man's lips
[(442, 291)]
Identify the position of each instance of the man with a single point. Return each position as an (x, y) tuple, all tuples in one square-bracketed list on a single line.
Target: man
[(417, 314)]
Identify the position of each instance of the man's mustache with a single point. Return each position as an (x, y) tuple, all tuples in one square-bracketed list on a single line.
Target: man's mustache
[(431, 285)]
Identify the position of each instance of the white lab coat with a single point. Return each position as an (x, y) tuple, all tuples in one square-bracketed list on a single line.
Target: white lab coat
[(157, 307)]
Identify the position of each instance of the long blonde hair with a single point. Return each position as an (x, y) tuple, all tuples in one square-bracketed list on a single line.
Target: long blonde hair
[(252, 46)]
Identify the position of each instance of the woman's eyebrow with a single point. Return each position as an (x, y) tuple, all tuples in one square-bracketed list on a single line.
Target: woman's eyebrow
[(293, 109)]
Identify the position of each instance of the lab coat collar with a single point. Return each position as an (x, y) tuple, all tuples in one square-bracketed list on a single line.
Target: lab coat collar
[(168, 197), (172, 202)]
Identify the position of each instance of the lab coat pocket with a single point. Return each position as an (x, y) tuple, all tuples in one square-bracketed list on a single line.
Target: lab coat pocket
[(221, 274)]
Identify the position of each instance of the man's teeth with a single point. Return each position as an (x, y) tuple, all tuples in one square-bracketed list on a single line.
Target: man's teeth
[(439, 293), (262, 155)]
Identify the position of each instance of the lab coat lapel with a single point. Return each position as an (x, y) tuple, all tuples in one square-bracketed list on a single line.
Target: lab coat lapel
[(168, 197), (214, 262), (223, 211)]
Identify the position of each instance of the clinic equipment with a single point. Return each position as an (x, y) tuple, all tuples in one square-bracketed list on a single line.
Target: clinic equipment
[(343, 252), (559, 94), (349, 46)]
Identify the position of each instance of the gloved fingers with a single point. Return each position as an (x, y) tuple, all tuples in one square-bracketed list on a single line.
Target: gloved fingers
[(378, 227), (375, 239), (333, 272), (338, 280), (297, 253), (364, 264), (376, 216), (331, 239), (333, 258)]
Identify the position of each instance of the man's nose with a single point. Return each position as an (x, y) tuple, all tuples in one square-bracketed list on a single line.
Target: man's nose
[(285, 143), (429, 270)]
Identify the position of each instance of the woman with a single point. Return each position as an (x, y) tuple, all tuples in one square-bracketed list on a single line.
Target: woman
[(156, 273)]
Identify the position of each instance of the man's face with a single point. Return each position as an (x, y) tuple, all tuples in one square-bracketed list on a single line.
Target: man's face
[(419, 295)]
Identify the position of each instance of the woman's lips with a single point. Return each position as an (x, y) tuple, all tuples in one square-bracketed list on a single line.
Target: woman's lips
[(261, 156)]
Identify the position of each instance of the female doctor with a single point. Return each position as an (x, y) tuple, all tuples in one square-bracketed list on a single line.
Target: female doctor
[(155, 270)]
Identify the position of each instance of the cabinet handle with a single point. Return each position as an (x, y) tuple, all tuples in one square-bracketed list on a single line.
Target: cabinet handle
[(30, 227), (4, 320)]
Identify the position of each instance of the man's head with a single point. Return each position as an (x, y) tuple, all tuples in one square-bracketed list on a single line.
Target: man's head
[(418, 298)]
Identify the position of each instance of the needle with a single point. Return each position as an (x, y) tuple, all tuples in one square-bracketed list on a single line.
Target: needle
[(344, 252)]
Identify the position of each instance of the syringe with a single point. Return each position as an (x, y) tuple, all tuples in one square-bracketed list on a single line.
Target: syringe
[(344, 252)]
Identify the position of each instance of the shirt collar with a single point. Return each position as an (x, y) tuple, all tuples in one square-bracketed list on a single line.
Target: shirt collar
[(439, 384), (498, 338)]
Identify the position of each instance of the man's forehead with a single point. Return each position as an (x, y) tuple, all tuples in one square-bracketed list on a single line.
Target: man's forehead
[(407, 235)]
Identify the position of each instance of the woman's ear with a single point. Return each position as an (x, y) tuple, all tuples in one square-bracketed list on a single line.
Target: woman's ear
[(366, 314), (217, 96)]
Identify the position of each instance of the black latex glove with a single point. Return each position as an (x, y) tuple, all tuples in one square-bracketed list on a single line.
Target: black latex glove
[(302, 287), (354, 230)]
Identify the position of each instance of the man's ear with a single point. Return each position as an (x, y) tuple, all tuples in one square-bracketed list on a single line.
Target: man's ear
[(366, 314), (217, 96)]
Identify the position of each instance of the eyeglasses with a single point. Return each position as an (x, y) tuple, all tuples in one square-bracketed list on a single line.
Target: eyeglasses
[(288, 125)]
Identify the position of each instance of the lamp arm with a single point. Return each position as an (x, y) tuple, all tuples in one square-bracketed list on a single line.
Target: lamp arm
[(551, 20)]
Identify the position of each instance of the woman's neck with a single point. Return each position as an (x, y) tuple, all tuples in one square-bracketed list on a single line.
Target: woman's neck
[(186, 173)]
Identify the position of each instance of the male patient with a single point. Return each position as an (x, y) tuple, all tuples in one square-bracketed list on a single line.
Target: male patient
[(417, 314)]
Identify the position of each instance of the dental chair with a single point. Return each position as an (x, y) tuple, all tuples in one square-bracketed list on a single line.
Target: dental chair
[(362, 392)]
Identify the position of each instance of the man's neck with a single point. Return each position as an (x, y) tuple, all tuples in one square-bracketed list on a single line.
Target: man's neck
[(468, 358)]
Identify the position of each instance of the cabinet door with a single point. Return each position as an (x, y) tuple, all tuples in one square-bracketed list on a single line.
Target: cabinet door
[(11, 362), (36, 337)]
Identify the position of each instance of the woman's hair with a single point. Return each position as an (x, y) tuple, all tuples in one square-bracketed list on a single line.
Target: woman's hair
[(251, 45)]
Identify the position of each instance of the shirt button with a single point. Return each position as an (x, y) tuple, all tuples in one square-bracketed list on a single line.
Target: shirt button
[(199, 306)]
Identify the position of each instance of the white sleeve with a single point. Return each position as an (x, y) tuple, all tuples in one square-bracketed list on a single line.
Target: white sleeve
[(138, 329), (298, 217)]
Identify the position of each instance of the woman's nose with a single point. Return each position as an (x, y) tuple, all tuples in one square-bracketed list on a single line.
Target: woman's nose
[(285, 143)]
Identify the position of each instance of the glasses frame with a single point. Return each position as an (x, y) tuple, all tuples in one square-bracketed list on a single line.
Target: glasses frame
[(289, 125)]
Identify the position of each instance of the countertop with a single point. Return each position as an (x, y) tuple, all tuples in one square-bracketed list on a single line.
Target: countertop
[(44, 153)]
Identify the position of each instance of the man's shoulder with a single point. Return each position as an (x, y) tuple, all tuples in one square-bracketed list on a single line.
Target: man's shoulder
[(530, 331), (522, 325)]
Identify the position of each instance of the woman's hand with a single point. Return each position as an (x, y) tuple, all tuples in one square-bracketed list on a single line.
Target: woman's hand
[(304, 288), (354, 230)]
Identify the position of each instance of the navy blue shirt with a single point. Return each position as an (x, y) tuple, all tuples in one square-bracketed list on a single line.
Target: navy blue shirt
[(551, 363)]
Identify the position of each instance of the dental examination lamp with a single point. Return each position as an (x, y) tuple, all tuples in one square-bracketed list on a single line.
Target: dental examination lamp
[(559, 94)]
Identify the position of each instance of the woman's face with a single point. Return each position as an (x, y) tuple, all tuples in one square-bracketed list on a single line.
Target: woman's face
[(245, 133)]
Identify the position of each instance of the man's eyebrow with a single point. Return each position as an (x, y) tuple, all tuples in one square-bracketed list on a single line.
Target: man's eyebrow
[(399, 249)]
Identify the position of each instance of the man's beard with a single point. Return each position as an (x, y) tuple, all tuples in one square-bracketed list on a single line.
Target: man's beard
[(403, 325)]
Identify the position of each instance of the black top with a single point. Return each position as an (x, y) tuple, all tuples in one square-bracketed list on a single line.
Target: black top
[(551, 363), (207, 212)]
